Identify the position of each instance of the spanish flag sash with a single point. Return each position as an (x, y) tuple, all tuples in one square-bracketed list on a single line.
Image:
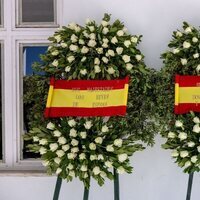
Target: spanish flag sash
[(87, 98), (187, 94)]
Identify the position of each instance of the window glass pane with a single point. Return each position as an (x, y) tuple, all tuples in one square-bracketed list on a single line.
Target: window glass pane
[(31, 91), (37, 10), (1, 143), (1, 12)]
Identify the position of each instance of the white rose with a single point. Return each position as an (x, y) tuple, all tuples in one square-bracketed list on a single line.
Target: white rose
[(72, 173), (81, 41), (171, 135), (175, 153), (91, 28), (196, 128), (36, 138), (55, 53), (196, 120), (118, 142), (92, 36), (63, 45), (85, 34), (75, 150), (186, 45), (53, 147), (67, 69), (92, 146), (57, 160), (84, 50), (58, 38), (120, 170), (92, 43), (111, 52), (45, 163), (72, 132), (188, 30), (184, 154), (178, 123), (191, 144), (183, 61), (179, 34), (99, 140), (182, 136), (82, 156), (194, 39), (60, 153), (198, 68), (71, 156), (103, 174), (70, 59), (104, 23), (198, 149), (74, 38), (42, 150), (74, 142), (97, 69), (194, 159), (100, 157), (72, 25), (129, 66), (111, 70), (83, 168), (73, 48), (105, 45), (77, 28), (93, 157), (83, 135), (105, 60), (122, 157), (65, 147), (196, 55), (187, 164), (96, 61), (119, 50), (105, 30), (43, 141), (138, 57), (96, 170), (104, 129), (127, 43), (83, 59), (134, 39), (70, 166), (62, 140), (114, 40), (71, 122), (88, 124), (108, 164), (99, 50), (109, 148), (120, 33), (57, 133), (126, 58), (58, 171), (55, 63), (85, 175), (175, 51), (49, 48)]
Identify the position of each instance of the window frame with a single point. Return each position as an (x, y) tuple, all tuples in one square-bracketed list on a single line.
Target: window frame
[(2, 13), (20, 24)]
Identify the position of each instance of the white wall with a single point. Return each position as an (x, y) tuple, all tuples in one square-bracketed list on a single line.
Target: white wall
[(155, 175)]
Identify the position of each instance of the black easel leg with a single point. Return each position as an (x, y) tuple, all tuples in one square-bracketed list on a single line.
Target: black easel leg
[(116, 185), (189, 189), (57, 189), (86, 194)]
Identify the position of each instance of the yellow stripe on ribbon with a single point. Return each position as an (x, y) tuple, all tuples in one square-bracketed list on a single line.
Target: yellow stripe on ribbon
[(188, 95), (50, 95), (87, 98), (176, 94)]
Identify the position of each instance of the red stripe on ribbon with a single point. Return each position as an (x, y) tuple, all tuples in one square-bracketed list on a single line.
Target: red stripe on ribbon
[(84, 112), (89, 84), (187, 81), (183, 108)]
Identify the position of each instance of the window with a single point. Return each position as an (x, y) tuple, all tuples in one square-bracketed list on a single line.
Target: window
[(1, 13), (30, 53), (19, 48), (38, 13)]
